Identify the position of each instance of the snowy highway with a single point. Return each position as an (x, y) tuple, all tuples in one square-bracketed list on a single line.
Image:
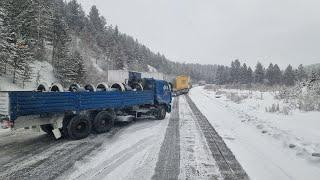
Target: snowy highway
[(191, 143), (174, 148)]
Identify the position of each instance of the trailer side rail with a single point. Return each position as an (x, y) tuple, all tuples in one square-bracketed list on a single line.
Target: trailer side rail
[(34, 103)]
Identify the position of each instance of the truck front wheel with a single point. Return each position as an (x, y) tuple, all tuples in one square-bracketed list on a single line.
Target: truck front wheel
[(79, 127), (161, 113), (104, 121)]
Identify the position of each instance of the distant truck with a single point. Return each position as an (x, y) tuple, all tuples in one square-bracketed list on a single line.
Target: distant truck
[(202, 83), (181, 85), (78, 111), (115, 76)]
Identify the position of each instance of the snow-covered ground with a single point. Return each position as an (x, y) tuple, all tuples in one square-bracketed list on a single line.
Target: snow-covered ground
[(268, 145), (131, 154), (41, 72), (152, 69), (196, 161)]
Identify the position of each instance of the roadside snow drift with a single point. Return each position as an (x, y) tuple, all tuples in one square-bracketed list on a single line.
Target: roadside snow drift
[(268, 145)]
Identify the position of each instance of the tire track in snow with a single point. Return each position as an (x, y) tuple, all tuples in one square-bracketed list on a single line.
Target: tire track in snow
[(116, 160), (168, 165), (132, 154), (44, 158), (229, 167), (196, 159)]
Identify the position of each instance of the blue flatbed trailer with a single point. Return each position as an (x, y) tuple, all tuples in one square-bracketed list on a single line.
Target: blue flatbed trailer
[(54, 112), (34, 103)]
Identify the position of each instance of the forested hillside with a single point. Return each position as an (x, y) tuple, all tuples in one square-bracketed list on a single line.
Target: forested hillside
[(81, 47), (313, 68), (272, 75), (74, 43)]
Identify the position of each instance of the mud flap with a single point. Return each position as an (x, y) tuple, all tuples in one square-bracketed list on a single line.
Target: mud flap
[(57, 126), (56, 133), (169, 108)]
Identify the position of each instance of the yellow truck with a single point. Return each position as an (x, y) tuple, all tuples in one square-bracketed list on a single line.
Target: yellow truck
[(181, 85)]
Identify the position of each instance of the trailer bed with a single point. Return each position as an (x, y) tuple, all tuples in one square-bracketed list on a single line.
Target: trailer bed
[(24, 103)]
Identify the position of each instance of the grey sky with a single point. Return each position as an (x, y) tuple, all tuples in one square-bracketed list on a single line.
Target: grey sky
[(218, 31)]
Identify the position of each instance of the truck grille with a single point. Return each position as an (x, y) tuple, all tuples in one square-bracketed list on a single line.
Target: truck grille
[(4, 104)]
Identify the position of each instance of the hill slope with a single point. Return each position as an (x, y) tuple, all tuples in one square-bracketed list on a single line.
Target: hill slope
[(74, 43), (312, 67)]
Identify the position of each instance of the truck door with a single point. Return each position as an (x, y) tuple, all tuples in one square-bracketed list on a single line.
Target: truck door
[(167, 92), (163, 92)]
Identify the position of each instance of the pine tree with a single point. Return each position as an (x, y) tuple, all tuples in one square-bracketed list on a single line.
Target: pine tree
[(79, 70), (34, 22), (235, 71), (289, 76), (95, 20), (250, 75), (4, 44), (26, 75), (75, 16), (61, 41), (43, 18), (301, 73), (21, 63), (259, 73), (8, 34), (119, 57), (277, 74), (269, 74), (244, 74), (220, 78)]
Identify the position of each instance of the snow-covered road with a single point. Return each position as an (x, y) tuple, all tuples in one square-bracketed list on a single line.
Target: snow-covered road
[(180, 147), (127, 151), (131, 154), (260, 154)]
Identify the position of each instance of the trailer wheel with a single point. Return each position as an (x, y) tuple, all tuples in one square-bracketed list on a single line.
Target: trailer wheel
[(79, 127), (104, 121), (161, 113), (66, 120)]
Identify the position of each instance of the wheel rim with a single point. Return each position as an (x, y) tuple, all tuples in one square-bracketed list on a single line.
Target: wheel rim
[(103, 122), (81, 127)]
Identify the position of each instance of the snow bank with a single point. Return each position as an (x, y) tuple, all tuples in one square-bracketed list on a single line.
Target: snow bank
[(42, 73), (268, 145), (152, 69), (95, 65)]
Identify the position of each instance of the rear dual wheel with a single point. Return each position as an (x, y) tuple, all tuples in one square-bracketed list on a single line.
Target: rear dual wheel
[(79, 127), (104, 121)]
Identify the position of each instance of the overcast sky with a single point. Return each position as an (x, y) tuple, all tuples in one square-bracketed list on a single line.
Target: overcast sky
[(219, 31)]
